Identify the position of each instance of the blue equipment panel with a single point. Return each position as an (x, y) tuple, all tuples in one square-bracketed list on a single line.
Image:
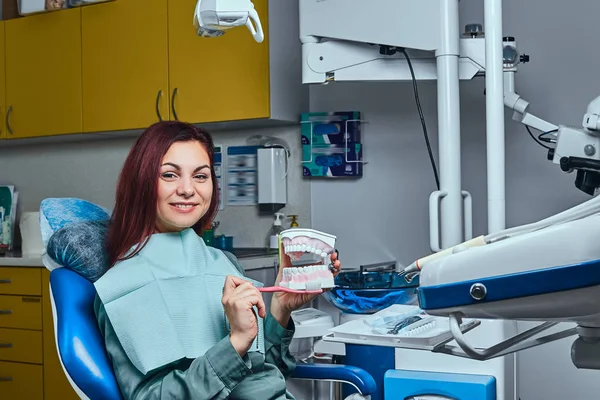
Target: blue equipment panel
[(376, 360), (511, 286), (418, 385)]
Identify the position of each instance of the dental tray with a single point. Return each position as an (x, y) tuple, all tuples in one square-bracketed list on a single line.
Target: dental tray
[(427, 334), (371, 288)]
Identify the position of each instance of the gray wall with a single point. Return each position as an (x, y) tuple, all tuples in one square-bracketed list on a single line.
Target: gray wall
[(384, 215), (90, 169)]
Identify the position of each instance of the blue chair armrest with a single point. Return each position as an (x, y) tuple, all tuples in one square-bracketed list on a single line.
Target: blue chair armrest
[(361, 379)]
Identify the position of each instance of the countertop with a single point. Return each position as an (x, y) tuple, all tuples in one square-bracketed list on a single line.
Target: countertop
[(249, 258), (35, 262)]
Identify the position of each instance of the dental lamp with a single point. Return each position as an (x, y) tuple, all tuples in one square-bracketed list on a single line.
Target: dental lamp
[(212, 18)]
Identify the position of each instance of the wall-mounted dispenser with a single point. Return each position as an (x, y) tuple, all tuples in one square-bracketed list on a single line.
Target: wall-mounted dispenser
[(272, 176)]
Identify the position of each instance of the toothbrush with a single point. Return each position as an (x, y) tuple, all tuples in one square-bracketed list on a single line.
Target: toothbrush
[(310, 289), (307, 280)]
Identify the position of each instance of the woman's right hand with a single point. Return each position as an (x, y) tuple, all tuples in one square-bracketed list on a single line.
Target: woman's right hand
[(239, 298)]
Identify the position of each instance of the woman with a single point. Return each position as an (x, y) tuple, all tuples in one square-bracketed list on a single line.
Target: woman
[(179, 319)]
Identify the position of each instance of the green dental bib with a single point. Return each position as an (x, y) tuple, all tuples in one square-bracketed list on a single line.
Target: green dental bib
[(165, 303)]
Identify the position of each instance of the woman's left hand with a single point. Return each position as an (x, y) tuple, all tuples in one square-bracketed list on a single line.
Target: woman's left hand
[(288, 302)]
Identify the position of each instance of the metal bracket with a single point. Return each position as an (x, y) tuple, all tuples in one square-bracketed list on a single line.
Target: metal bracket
[(512, 345)]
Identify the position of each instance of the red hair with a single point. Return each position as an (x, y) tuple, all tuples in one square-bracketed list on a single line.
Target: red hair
[(133, 219)]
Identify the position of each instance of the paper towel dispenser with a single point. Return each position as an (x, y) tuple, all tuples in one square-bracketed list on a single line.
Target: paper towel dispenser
[(272, 176)]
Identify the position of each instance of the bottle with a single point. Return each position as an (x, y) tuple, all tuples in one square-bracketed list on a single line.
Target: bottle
[(294, 223), (276, 229)]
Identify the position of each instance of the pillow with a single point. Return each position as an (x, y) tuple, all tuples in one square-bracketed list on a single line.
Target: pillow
[(73, 232), (79, 247), (57, 213)]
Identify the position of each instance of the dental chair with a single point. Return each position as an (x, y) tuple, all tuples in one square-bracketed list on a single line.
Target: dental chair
[(86, 364)]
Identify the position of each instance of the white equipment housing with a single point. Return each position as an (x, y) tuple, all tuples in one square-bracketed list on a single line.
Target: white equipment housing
[(213, 17)]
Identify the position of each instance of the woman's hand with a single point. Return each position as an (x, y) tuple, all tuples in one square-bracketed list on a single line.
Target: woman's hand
[(284, 303), (239, 298)]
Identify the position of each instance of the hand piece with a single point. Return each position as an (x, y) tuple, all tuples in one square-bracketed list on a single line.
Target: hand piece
[(289, 302), (239, 298)]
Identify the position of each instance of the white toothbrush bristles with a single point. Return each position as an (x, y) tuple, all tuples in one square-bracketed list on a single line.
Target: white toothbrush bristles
[(313, 277)]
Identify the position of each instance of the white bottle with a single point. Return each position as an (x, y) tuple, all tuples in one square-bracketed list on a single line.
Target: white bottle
[(276, 229)]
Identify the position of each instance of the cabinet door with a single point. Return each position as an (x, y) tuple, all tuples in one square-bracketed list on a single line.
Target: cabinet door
[(43, 74), (217, 79), (2, 84), (125, 64)]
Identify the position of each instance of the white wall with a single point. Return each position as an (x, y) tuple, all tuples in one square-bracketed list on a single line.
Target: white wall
[(384, 215), (90, 169)]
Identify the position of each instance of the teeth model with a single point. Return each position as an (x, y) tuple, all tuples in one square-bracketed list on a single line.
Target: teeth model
[(296, 242)]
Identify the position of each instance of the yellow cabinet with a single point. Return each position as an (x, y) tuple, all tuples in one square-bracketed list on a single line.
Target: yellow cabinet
[(29, 364), (217, 79), (43, 74), (2, 84), (125, 64)]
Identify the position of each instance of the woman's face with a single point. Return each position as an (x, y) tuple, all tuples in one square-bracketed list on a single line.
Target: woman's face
[(184, 187)]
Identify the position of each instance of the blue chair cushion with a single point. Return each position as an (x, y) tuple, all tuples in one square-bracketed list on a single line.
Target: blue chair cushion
[(360, 378), (80, 343), (57, 213)]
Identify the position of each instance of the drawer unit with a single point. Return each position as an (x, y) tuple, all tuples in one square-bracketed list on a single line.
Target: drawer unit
[(21, 312), (21, 381), (21, 281), (21, 346), (29, 364)]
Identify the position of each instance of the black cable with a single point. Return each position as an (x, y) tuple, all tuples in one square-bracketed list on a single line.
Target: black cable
[(546, 140), (535, 139), (422, 117)]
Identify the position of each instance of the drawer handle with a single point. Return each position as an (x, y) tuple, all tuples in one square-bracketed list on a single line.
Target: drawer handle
[(5, 345), (5, 280), (5, 312), (5, 378)]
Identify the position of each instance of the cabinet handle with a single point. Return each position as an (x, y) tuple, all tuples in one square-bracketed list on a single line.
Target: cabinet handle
[(158, 105), (173, 104), (5, 378), (5, 345), (5, 312), (5, 281), (8, 120)]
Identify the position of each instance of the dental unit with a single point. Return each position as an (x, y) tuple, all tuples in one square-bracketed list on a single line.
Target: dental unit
[(300, 244), (545, 271)]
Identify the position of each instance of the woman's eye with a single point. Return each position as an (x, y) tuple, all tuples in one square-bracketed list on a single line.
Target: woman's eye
[(201, 176), (168, 175)]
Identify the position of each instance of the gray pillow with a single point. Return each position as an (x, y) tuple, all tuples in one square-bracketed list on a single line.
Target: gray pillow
[(81, 247)]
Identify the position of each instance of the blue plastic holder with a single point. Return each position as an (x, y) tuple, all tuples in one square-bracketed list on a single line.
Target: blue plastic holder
[(413, 385)]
